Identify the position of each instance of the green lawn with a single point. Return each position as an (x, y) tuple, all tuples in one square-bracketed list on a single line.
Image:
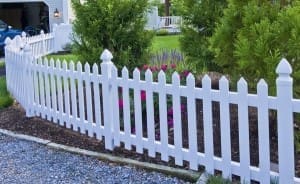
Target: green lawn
[(5, 98), (165, 42), (168, 42)]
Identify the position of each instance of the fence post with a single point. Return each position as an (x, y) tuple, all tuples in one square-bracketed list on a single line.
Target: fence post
[(106, 67), (8, 56), (284, 85), (28, 81)]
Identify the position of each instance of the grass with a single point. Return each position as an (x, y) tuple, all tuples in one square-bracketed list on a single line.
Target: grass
[(61, 57), (168, 42), (5, 98), (165, 42)]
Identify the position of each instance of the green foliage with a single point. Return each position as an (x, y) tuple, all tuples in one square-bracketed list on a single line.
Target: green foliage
[(5, 98), (253, 36), (200, 18), (117, 25)]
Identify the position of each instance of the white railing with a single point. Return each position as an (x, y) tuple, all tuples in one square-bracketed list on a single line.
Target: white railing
[(89, 101), (170, 22)]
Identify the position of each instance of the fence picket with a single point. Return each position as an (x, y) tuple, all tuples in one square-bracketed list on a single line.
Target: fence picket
[(177, 119), (41, 87), (208, 125), (192, 127), (115, 106), (81, 99), (225, 128), (97, 106), (59, 92), (88, 93), (66, 94), (75, 125), (163, 116), (263, 131), (47, 89), (53, 91), (243, 124), (150, 114), (138, 111), (126, 109), (36, 87)]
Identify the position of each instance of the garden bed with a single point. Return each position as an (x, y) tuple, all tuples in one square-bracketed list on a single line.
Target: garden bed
[(13, 118)]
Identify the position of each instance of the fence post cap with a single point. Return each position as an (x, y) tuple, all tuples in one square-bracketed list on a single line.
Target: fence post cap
[(23, 34), (284, 67), (106, 56)]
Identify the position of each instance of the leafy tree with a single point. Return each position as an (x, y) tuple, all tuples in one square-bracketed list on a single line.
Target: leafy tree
[(253, 36), (200, 17), (117, 25)]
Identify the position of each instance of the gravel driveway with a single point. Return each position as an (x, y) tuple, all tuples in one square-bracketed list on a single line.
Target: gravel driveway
[(27, 162)]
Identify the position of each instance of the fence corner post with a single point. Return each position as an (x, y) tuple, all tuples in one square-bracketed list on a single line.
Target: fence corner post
[(28, 80), (106, 67), (284, 86)]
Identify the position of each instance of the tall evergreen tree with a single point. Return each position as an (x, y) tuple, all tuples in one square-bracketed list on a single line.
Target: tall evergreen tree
[(200, 17)]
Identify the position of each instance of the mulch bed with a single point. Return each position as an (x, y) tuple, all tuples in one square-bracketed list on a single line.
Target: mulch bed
[(13, 118)]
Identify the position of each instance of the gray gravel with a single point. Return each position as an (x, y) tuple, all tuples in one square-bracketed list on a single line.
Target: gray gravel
[(28, 162)]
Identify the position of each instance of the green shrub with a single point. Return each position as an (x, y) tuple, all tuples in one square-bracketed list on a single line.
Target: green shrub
[(117, 25), (253, 36), (162, 32), (199, 19)]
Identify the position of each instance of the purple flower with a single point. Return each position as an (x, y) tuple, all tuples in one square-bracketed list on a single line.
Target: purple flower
[(143, 95), (145, 67), (120, 104), (171, 122), (173, 65), (164, 67)]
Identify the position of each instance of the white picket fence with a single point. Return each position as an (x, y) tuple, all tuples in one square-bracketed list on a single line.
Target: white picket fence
[(88, 101)]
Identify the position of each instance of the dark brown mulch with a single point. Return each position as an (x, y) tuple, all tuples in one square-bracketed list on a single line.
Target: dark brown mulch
[(13, 118)]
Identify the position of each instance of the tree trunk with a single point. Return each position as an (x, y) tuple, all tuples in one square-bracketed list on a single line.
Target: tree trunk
[(167, 7)]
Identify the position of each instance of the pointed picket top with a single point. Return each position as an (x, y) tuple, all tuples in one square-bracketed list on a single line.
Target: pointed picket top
[(23, 34), (65, 65), (106, 56), (71, 65), (46, 62), (190, 80), (175, 78), (52, 63), (148, 75), (95, 69), (125, 73), (224, 83), (87, 68), (242, 85), (136, 74), (284, 67), (161, 75), (19, 41), (206, 81), (79, 67), (42, 32), (262, 82), (114, 71), (58, 64), (7, 41)]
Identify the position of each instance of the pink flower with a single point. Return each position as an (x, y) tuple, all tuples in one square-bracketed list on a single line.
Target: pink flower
[(173, 65), (185, 73), (143, 95), (120, 104), (164, 67), (154, 68), (145, 67)]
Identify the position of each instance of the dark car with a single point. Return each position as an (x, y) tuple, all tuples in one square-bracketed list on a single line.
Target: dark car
[(5, 32)]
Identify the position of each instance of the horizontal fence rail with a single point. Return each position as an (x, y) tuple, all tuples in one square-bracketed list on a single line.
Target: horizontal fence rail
[(150, 112)]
